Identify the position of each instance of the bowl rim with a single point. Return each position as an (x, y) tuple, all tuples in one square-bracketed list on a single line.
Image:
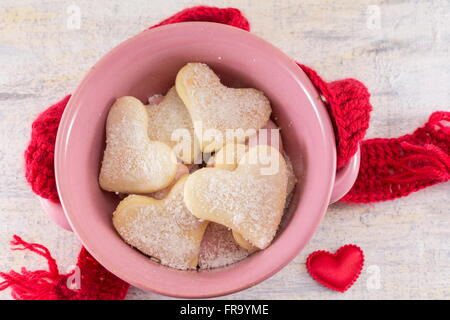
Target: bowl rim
[(322, 200)]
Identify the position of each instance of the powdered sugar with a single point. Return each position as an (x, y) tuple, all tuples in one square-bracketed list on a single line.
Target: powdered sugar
[(162, 229), (292, 179), (131, 162), (218, 248), (166, 230), (216, 107), (244, 199), (170, 122)]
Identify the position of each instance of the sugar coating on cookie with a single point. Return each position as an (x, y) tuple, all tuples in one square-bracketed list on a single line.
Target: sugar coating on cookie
[(164, 229), (248, 200), (243, 243), (169, 122), (291, 183), (292, 179), (218, 248), (132, 163), (220, 114), (228, 157), (155, 99), (161, 194)]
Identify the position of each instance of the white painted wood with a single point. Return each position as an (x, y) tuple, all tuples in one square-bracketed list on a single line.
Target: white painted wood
[(403, 59)]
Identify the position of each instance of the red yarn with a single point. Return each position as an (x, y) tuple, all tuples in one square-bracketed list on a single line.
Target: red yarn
[(393, 168), (39, 156), (348, 103), (230, 16), (390, 168), (95, 282)]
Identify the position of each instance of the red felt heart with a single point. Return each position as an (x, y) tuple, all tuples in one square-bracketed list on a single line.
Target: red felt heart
[(337, 271)]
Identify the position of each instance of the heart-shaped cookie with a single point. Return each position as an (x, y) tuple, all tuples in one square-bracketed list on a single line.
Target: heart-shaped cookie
[(250, 199), (132, 163), (220, 114), (291, 183), (218, 248), (161, 194), (164, 229), (169, 122), (242, 242), (228, 158)]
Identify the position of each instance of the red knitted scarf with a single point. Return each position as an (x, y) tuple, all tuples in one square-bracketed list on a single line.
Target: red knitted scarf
[(390, 168)]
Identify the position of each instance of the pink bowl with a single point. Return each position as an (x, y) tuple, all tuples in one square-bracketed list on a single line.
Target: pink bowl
[(147, 64)]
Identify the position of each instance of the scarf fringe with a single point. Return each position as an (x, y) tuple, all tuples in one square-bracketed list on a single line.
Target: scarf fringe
[(39, 284)]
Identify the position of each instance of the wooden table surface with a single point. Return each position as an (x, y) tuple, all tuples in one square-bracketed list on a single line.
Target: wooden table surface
[(399, 49)]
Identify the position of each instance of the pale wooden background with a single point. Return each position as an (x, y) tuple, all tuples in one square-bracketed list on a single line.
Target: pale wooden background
[(403, 59)]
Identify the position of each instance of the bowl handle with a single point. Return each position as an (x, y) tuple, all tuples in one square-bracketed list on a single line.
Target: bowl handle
[(346, 177), (56, 213)]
